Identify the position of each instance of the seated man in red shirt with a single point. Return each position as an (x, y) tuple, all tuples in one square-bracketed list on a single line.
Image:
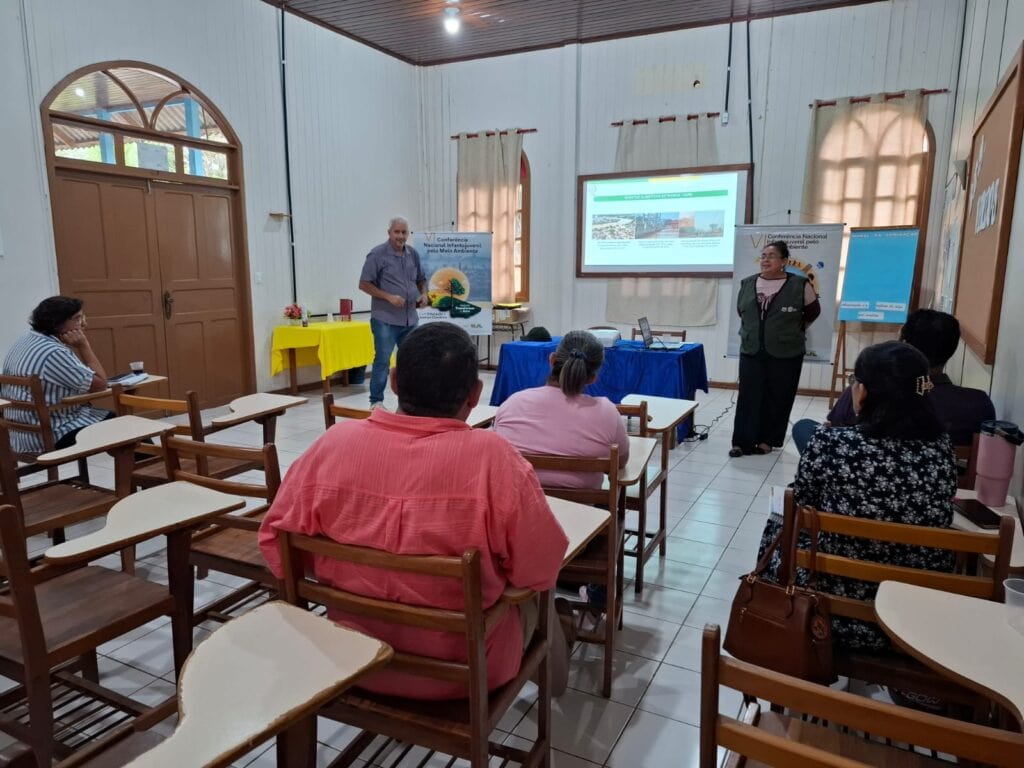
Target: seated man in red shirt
[(421, 482)]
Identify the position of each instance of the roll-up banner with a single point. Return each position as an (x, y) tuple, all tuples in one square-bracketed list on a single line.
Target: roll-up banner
[(458, 270)]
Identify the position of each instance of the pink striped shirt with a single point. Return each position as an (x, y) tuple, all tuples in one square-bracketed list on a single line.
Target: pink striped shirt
[(421, 486)]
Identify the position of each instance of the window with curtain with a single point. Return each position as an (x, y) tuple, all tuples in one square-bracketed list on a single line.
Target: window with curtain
[(488, 183), (869, 163), (521, 244)]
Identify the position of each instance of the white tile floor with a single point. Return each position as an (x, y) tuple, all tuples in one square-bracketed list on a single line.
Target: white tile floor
[(717, 508)]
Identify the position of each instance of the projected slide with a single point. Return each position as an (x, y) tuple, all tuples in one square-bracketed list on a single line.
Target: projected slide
[(679, 222)]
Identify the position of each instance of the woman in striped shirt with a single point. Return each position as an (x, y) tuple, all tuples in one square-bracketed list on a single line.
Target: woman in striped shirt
[(58, 351)]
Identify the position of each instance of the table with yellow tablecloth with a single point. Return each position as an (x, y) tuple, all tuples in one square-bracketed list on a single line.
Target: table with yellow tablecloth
[(334, 347)]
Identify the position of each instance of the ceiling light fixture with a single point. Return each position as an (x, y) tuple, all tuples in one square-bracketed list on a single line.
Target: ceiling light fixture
[(79, 92), (452, 22)]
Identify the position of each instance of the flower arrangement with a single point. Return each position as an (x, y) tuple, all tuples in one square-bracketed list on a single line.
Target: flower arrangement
[(293, 312)]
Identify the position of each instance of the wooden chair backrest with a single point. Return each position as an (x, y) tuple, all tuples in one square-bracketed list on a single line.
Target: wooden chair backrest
[(334, 412), (681, 335), (839, 708), (638, 412), (472, 621), (8, 472), (607, 497), (962, 543), (19, 602), (126, 404), (25, 393), (264, 458)]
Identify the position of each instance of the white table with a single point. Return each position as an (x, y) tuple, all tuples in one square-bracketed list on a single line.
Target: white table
[(580, 522), (664, 414), (174, 510), (117, 436), (88, 397), (964, 638), (640, 451), (162, 509), (482, 416), (262, 408), (259, 405), (254, 677), (1009, 509)]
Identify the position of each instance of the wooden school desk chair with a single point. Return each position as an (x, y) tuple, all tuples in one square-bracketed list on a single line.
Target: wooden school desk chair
[(818, 726), (460, 727)]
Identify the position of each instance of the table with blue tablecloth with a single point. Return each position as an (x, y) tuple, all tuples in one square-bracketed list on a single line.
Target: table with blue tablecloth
[(629, 368)]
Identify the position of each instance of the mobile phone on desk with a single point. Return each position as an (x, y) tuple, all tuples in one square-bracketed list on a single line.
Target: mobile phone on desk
[(977, 513)]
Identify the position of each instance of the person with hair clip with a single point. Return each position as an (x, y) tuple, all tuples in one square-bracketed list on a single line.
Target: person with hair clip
[(895, 464), (960, 409), (559, 419), (775, 308)]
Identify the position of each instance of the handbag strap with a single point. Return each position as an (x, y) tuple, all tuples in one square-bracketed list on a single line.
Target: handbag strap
[(762, 564)]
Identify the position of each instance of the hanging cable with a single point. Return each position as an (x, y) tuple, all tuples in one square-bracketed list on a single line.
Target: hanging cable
[(287, 158)]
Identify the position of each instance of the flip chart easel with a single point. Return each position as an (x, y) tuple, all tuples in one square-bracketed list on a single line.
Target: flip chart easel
[(877, 287)]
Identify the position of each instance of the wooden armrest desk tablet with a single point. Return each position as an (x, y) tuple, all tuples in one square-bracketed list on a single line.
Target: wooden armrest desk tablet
[(90, 396), (964, 638), (254, 677)]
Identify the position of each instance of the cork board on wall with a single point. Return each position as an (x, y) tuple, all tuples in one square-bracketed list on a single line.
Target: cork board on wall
[(991, 188)]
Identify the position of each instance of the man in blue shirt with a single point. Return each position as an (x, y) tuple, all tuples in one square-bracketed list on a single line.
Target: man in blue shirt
[(393, 277)]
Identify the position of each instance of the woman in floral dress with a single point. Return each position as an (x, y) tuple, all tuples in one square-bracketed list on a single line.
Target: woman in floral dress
[(896, 464)]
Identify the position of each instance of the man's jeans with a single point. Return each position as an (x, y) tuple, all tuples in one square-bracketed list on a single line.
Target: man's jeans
[(385, 338)]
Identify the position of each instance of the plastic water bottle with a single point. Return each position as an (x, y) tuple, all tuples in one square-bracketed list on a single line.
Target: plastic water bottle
[(305, 316)]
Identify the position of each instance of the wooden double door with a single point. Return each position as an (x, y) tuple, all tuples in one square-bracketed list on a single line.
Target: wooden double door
[(163, 277)]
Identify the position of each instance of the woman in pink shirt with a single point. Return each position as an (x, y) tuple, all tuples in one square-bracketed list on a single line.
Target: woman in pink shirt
[(559, 419)]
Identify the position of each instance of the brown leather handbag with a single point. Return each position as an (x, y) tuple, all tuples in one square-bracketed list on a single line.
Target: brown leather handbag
[(782, 627)]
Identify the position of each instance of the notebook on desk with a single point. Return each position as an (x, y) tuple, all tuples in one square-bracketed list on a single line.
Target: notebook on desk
[(652, 343), (128, 379)]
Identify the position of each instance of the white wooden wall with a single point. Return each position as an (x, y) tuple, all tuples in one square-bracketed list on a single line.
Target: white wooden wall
[(353, 127), (353, 137), (571, 95), (993, 32)]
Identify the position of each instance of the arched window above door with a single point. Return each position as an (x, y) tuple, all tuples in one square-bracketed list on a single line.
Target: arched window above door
[(140, 119)]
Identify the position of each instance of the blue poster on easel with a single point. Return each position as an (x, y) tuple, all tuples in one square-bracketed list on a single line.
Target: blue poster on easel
[(879, 275)]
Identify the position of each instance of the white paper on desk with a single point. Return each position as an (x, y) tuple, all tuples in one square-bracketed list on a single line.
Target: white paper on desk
[(776, 499), (128, 379)]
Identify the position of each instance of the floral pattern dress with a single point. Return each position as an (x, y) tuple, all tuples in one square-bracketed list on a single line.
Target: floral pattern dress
[(898, 481)]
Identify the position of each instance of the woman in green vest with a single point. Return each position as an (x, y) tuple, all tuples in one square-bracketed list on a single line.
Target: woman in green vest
[(775, 308)]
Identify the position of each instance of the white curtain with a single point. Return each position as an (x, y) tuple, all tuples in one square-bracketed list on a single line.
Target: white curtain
[(866, 167), (652, 146), (487, 179)]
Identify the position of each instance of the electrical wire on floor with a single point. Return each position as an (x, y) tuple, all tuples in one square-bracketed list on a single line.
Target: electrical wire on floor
[(701, 431)]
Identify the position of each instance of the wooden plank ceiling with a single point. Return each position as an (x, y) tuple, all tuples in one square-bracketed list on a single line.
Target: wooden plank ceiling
[(412, 30)]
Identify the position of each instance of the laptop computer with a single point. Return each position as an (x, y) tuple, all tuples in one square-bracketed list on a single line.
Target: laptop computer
[(652, 343)]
